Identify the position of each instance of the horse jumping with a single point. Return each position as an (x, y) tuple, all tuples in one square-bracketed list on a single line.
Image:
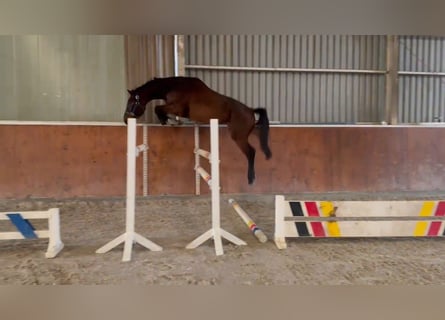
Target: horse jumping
[(191, 98)]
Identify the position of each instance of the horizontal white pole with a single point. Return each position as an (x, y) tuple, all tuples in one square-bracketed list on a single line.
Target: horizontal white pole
[(273, 124), (19, 236), (268, 69), (421, 73), (61, 123), (27, 215), (203, 153)]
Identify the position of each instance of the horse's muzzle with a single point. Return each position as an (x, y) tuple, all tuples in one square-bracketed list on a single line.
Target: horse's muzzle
[(128, 115)]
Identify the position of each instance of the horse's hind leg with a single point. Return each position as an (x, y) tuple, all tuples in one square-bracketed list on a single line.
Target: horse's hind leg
[(251, 163), (249, 152), (240, 126)]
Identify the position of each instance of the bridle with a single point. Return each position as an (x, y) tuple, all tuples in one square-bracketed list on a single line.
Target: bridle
[(135, 105)]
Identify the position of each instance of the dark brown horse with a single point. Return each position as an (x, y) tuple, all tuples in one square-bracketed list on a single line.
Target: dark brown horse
[(190, 98)]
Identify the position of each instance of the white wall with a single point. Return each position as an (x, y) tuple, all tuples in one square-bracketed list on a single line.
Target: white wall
[(62, 78)]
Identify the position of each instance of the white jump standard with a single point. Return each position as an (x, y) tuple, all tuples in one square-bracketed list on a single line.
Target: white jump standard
[(130, 236), (216, 232), (26, 229)]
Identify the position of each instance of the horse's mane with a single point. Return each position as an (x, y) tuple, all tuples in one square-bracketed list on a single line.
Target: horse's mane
[(167, 81), (141, 87)]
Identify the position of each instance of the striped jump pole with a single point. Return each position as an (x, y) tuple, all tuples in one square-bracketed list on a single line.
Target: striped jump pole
[(294, 218), (216, 232), (197, 161), (130, 236), (25, 230), (257, 232), (204, 175)]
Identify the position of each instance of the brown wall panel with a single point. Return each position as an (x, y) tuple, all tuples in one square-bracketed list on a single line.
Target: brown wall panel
[(170, 160), (62, 161), (312, 160), (79, 161), (426, 159)]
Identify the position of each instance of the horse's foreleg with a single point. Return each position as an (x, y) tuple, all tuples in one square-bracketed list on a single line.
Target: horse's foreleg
[(176, 109), (161, 114)]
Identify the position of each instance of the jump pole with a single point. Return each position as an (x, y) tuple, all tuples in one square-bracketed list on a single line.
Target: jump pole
[(357, 219), (216, 232), (25, 230), (130, 236), (257, 232)]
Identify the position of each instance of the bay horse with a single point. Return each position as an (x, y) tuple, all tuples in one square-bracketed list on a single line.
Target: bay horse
[(191, 98)]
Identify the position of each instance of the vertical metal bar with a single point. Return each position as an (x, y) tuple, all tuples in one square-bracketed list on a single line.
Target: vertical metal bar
[(441, 101), (175, 55), (435, 90), (276, 89), (228, 76), (159, 55), (255, 75), (392, 85), (414, 53), (333, 100), (179, 55), (290, 89), (243, 62), (249, 62), (263, 76)]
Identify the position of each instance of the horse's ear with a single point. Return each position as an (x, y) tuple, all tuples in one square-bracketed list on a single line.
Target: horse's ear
[(129, 91)]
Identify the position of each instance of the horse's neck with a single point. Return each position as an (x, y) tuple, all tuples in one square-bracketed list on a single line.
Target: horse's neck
[(153, 91)]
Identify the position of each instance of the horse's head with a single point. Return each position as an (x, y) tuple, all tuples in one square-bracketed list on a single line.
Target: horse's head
[(135, 106)]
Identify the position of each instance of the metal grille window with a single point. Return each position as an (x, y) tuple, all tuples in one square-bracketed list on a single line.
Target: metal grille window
[(299, 79), (421, 79)]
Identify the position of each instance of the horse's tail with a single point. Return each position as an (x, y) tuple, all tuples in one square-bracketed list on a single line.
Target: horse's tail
[(263, 125)]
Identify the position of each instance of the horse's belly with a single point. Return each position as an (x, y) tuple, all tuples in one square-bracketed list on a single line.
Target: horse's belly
[(204, 112)]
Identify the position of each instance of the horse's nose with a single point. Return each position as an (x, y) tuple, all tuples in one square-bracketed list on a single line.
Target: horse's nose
[(128, 115)]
